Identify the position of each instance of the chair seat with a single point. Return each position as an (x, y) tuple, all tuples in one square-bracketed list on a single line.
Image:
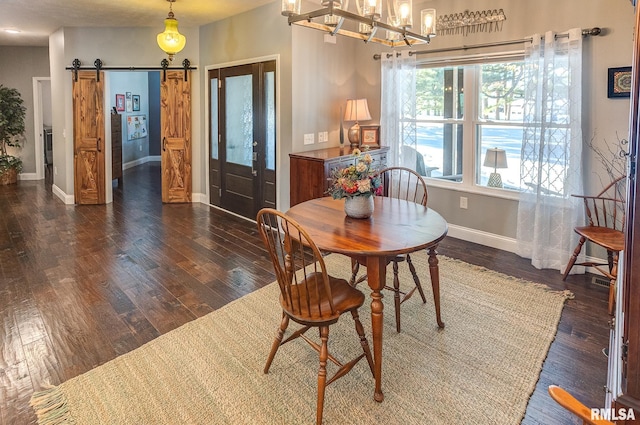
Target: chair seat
[(611, 239), (345, 298)]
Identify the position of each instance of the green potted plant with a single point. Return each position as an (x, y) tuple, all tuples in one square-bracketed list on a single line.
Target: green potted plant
[(12, 114)]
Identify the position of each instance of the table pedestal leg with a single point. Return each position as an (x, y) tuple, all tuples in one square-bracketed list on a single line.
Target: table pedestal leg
[(435, 283), (376, 271)]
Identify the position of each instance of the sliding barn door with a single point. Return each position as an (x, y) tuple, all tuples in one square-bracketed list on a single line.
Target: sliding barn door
[(88, 138), (175, 123)]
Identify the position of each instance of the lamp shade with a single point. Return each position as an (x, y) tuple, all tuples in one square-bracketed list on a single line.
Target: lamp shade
[(357, 110), (495, 158), (171, 41)]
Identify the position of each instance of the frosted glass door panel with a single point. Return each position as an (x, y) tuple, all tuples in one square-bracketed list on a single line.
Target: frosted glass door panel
[(214, 118), (270, 101), (239, 121)]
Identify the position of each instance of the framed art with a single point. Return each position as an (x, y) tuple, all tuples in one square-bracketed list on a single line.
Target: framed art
[(370, 136), (128, 102), (136, 102), (119, 102), (136, 127), (619, 84)]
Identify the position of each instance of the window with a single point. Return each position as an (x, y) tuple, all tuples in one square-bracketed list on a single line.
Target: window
[(461, 111)]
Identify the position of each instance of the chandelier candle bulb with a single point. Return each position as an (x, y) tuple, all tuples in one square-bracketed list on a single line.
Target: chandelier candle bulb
[(428, 19), (372, 9), (405, 13), (291, 6)]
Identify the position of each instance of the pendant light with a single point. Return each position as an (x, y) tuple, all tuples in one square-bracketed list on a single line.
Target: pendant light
[(171, 41)]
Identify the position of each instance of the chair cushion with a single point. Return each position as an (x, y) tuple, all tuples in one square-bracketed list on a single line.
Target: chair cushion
[(610, 239)]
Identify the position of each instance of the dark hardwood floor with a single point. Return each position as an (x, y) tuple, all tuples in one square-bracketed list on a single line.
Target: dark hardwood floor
[(80, 285)]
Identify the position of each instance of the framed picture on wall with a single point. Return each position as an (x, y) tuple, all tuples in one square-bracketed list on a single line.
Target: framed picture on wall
[(128, 101), (370, 136), (136, 102), (119, 102), (619, 84)]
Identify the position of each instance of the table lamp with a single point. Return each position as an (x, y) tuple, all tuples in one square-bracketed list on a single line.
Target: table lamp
[(356, 110), (496, 158)]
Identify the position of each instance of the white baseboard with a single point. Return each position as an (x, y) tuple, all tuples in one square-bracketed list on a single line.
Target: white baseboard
[(28, 176), (140, 161), (483, 238), (200, 198), (499, 242), (135, 163), (67, 199)]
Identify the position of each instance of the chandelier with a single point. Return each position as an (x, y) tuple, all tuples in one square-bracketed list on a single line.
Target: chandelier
[(397, 23), (171, 41)]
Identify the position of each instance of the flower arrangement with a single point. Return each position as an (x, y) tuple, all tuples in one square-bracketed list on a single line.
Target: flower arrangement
[(359, 179)]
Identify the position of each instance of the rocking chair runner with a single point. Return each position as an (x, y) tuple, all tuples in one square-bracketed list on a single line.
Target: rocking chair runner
[(308, 295), (605, 214), (570, 403), (401, 183)]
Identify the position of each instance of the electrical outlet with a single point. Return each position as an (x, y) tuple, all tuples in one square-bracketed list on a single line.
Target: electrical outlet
[(463, 202), (323, 137), (55, 171), (140, 148), (308, 139), (326, 136)]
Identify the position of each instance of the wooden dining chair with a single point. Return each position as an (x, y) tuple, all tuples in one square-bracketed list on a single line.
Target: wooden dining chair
[(401, 183), (308, 295), (605, 215), (574, 406)]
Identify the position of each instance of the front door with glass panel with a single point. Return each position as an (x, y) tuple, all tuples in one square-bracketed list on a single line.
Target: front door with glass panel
[(242, 137)]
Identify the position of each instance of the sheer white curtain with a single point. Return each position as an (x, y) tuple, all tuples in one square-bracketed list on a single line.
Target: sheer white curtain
[(551, 168), (398, 108)]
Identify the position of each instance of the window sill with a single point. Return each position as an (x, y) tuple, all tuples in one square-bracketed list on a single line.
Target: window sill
[(480, 190)]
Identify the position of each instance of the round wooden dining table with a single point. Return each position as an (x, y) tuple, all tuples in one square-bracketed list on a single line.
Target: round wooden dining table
[(396, 227)]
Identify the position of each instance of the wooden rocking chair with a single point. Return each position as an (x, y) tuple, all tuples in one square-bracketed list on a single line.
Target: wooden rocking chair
[(605, 214)]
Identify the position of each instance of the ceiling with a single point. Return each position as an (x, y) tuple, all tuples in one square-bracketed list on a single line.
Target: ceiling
[(37, 19)]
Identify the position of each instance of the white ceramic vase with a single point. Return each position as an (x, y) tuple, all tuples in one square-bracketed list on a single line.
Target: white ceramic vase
[(359, 206)]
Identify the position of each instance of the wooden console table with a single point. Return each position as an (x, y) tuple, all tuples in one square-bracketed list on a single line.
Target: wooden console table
[(311, 171)]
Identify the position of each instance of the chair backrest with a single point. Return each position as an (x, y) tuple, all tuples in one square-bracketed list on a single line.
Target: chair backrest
[(404, 183), (300, 270), (570, 403), (607, 208), (410, 157)]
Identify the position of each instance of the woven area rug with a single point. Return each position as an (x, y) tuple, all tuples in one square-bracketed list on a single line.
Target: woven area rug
[(480, 369)]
